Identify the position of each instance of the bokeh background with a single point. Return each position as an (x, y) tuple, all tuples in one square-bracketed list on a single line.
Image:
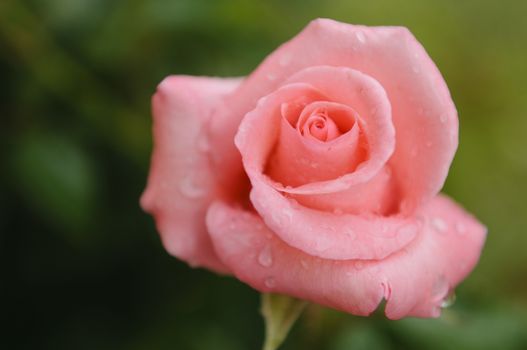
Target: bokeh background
[(82, 266)]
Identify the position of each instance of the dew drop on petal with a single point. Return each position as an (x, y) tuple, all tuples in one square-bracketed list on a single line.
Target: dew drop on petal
[(360, 36), (439, 225), (407, 230), (337, 211), (265, 258), (322, 244), (359, 265), (461, 228), (350, 233), (284, 60), (191, 187), (283, 218), (449, 300), (443, 118), (439, 288), (270, 282)]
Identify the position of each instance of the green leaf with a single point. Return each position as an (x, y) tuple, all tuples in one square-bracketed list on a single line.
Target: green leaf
[(280, 313)]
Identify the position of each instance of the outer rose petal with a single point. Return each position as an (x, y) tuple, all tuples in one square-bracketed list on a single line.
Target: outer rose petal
[(414, 280), (331, 235), (424, 115), (181, 185)]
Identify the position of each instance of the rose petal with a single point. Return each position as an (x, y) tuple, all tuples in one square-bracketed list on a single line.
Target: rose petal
[(181, 184), (414, 280), (349, 87), (423, 113), (330, 235), (298, 159)]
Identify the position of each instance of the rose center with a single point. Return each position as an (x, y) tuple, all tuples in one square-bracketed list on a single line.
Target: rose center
[(324, 121)]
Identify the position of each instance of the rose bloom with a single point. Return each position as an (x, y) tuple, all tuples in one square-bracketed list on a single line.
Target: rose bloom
[(317, 176)]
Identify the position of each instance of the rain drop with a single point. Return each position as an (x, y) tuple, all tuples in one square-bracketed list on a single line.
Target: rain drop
[(337, 211), (407, 230), (265, 258), (284, 60), (360, 36), (190, 187), (282, 218), (323, 244), (439, 225), (449, 300), (352, 235), (270, 282), (461, 228), (415, 69), (443, 118), (359, 265)]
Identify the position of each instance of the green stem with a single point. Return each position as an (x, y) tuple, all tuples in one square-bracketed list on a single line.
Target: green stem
[(280, 313)]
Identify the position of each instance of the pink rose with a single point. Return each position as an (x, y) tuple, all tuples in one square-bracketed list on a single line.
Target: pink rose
[(318, 175)]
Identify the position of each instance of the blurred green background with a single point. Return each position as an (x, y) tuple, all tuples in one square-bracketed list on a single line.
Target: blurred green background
[(82, 266)]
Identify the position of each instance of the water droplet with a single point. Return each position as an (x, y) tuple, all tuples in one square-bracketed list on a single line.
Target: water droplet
[(414, 152), (192, 187), (271, 76), (416, 69), (373, 110), (352, 235), (439, 225), (314, 165), (283, 217), (407, 230), (270, 282), (439, 288), (384, 228), (461, 228), (337, 211), (284, 60), (265, 258), (428, 143), (443, 118), (449, 300), (360, 36), (359, 264), (322, 244)]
